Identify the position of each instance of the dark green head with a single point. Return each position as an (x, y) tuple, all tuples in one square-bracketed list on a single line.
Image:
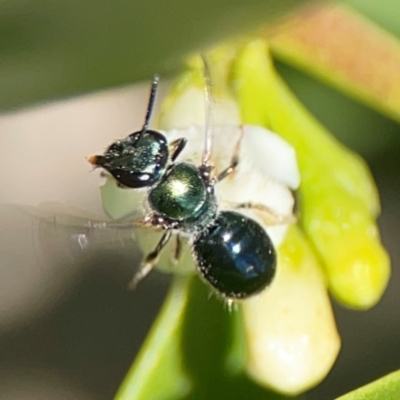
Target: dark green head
[(136, 161)]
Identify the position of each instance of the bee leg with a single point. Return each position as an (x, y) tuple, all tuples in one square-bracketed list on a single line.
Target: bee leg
[(234, 160), (176, 147), (176, 255), (149, 261), (269, 215)]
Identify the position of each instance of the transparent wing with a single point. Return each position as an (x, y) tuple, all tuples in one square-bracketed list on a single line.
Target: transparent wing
[(63, 216), (58, 231), (44, 250)]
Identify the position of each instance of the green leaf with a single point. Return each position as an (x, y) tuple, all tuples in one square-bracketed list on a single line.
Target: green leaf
[(158, 371), (349, 52), (52, 49), (386, 388), (194, 351)]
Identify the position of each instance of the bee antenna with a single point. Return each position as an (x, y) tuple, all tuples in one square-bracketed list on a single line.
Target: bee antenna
[(209, 103), (150, 106)]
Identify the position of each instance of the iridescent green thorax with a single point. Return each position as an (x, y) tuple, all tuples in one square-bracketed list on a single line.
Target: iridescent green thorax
[(182, 194)]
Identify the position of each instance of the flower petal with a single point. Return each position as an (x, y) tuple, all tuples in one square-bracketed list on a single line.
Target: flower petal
[(291, 337)]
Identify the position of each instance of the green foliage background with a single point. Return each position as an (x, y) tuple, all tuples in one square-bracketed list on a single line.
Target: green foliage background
[(51, 50)]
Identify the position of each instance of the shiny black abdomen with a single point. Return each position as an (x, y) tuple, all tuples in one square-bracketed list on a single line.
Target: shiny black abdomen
[(235, 255)]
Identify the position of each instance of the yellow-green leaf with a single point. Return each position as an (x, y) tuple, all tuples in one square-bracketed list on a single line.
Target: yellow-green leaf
[(338, 199)]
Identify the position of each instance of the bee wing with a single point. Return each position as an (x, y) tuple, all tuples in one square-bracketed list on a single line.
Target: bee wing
[(44, 250), (54, 232), (63, 216), (56, 229)]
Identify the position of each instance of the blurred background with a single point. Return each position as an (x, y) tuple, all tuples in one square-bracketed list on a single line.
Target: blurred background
[(68, 327)]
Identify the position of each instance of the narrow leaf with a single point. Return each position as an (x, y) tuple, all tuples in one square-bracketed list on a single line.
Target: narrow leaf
[(334, 43), (157, 372), (386, 388)]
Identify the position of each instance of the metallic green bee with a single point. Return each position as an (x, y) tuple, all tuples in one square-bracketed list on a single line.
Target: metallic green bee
[(233, 253)]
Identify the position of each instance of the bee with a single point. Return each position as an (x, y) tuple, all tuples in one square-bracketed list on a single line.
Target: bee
[(232, 252)]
